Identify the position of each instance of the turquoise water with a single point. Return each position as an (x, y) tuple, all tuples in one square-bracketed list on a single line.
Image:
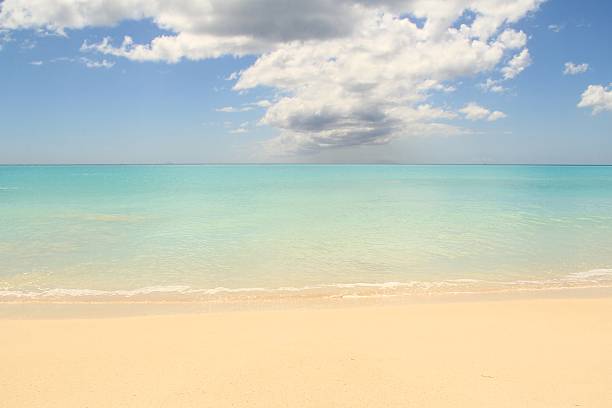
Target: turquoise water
[(203, 230)]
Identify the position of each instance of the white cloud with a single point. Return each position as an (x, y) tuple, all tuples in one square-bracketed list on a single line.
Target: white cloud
[(5, 38), (493, 85), (97, 64), (264, 103), (242, 128), (597, 97), (574, 69), (513, 39), (555, 27), (496, 115), (232, 109), (473, 111), (233, 76), (365, 89), (517, 64), (345, 72), (173, 48), (58, 15), (201, 28), (87, 62), (38, 63)]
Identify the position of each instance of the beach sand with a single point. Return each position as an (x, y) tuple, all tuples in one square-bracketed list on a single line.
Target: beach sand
[(511, 353)]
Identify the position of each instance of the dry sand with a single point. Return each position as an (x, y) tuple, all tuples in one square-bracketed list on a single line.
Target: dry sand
[(521, 353)]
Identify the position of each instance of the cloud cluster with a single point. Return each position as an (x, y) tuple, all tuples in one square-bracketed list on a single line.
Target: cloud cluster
[(346, 72), (598, 98), (574, 69), (374, 85), (200, 28)]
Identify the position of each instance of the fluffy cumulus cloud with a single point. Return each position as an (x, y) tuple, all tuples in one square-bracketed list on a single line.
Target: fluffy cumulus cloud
[(598, 98), (517, 64), (345, 72), (473, 111), (574, 69)]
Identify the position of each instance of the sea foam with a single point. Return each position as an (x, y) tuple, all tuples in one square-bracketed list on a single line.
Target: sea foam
[(590, 278), (593, 273)]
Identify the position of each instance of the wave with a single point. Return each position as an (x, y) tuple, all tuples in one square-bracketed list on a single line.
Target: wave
[(590, 278), (149, 290), (593, 273)]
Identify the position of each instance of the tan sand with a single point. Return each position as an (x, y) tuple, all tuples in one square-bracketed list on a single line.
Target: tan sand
[(522, 353)]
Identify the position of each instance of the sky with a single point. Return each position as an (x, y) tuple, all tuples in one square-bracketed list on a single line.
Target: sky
[(322, 81)]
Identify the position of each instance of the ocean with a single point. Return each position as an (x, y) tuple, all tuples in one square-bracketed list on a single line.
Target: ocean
[(188, 232)]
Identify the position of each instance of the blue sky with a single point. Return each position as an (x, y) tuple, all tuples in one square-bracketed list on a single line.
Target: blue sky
[(306, 85)]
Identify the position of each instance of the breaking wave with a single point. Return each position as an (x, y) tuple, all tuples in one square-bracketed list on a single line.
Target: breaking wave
[(585, 279)]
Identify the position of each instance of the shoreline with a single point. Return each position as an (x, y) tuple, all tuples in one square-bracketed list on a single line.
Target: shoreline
[(75, 308), (505, 353), (591, 279), (588, 280)]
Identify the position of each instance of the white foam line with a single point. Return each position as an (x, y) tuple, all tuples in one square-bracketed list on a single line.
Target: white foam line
[(591, 276), (593, 273)]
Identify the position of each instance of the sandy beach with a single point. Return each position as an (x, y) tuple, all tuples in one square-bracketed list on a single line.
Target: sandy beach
[(511, 353)]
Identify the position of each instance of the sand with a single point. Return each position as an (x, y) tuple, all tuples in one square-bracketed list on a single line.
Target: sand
[(516, 353)]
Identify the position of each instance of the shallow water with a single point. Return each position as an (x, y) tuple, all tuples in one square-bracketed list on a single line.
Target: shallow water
[(202, 231)]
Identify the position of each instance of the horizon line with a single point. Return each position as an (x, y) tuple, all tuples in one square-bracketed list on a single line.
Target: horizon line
[(302, 164)]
